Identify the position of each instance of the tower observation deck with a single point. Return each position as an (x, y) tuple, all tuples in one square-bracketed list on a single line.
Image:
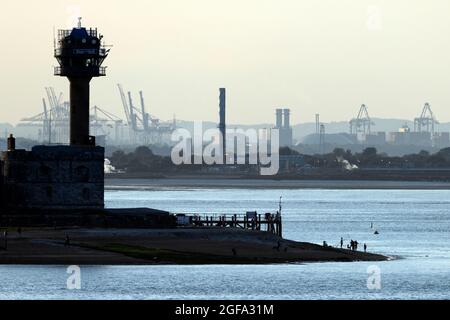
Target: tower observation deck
[(80, 54)]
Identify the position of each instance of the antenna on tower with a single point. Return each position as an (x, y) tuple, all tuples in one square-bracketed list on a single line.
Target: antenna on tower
[(54, 38), (279, 205)]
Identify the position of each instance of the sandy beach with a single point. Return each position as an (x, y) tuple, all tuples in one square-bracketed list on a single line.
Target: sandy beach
[(164, 246)]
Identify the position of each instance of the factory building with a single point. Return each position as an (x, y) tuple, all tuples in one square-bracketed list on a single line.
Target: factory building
[(404, 136), (374, 138), (441, 139), (284, 127)]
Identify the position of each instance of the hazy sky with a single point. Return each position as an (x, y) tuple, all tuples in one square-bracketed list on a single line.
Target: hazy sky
[(314, 56)]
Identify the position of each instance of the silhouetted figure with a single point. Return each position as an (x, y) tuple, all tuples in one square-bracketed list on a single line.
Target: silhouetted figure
[(67, 242), (365, 247), (234, 252), (278, 246), (5, 236), (325, 244), (352, 245), (342, 242)]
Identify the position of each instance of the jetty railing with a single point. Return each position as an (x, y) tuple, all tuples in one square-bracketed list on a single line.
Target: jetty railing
[(251, 221)]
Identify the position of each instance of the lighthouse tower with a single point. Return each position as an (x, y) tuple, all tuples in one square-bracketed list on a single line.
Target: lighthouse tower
[(62, 177), (80, 55)]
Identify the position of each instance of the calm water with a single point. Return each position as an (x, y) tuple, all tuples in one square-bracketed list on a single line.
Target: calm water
[(414, 226)]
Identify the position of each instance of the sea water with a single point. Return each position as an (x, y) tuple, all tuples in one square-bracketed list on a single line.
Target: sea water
[(413, 226)]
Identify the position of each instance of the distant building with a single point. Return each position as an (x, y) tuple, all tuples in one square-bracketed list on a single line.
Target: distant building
[(441, 140), (377, 138), (290, 163), (404, 136), (284, 128)]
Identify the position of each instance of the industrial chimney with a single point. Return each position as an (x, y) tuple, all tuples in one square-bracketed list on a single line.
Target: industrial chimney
[(222, 119), (279, 120), (287, 116)]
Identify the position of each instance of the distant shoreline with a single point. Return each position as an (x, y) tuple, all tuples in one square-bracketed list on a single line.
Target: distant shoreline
[(236, 183)]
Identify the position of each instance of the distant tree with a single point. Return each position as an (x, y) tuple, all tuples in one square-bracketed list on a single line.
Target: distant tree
[(119, 159), (445, 153), (339, 152), (437, 160), (370, 152), (286, 151), (424, 154), (143, 152)]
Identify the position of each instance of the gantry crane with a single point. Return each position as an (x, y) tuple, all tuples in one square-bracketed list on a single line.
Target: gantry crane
[(362, 123), (426, 122)]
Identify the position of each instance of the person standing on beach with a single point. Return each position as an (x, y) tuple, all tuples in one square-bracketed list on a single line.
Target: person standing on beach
[(365, 247), (342, 242), (5, 235)]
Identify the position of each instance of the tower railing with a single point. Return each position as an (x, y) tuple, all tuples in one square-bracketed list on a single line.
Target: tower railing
[(63, 33), (101, 71)]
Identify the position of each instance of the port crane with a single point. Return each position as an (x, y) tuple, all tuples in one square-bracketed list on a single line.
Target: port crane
[(426, 122), (362, 123)]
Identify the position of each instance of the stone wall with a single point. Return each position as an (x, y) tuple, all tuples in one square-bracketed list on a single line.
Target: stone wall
[(53, 177)]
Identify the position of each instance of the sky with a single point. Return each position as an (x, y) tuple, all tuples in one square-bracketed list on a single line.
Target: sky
[(312, 56)]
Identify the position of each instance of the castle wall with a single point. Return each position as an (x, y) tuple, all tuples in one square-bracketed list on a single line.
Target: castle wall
[(53, 177)]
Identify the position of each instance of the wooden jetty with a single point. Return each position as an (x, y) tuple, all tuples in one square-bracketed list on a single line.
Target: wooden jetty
[(251, 220)]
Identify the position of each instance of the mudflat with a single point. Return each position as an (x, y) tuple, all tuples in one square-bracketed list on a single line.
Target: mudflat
[(81, 246)]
